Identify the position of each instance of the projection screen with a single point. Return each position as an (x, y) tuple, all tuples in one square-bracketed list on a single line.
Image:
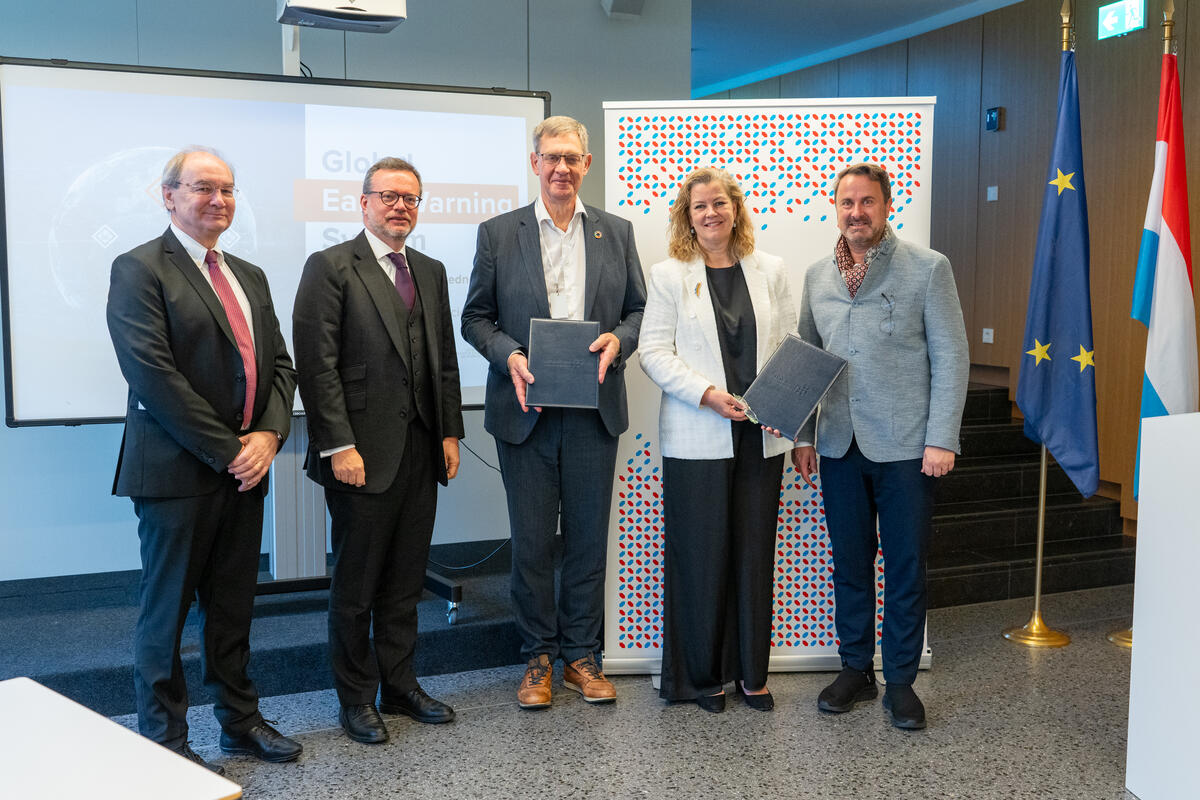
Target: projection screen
[(83, 146)]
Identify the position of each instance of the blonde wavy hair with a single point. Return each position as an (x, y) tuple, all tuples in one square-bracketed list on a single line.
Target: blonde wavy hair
[(681, 238)]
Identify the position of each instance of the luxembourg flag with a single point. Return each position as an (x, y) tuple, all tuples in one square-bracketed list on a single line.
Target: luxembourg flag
[(1162, 290)]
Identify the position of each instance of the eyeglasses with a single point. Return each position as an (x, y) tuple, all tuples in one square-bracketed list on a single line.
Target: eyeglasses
[(887, 324), (208, 190), (750, 415), (390, 198), (572, 160)]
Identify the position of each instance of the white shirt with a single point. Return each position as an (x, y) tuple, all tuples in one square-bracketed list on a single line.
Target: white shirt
[(381, 249), (197, 251), (563, 261)]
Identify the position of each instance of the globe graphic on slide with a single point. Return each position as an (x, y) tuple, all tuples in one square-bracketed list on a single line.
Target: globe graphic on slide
[(113, 206)]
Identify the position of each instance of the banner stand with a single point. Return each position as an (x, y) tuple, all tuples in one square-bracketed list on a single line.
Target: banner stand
[(784, 154)]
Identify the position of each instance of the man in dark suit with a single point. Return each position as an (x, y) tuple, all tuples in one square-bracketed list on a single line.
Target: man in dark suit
[(379, 380), (556, 258), (210, 403)]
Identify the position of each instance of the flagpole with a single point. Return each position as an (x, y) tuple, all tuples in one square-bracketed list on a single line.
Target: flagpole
[(1036, 633), (1168, 27)]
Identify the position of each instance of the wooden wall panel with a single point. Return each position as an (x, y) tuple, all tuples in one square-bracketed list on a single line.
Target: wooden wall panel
[(945, 64), (882, 72), (1019, 72), (818, 81)]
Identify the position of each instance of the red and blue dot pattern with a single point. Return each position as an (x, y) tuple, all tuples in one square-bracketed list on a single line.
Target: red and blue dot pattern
[(785, 162), (803, 561)]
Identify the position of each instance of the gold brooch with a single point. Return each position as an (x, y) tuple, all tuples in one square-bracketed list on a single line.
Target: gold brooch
[(598, 234)]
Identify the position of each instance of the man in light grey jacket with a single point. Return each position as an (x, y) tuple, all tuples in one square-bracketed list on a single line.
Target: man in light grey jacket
[(886, 430)]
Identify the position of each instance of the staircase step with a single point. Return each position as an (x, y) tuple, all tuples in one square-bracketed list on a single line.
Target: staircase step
[(996, 439), (1000, 477), (1001, 574), (91, 662), (972, 526), (986, 404)]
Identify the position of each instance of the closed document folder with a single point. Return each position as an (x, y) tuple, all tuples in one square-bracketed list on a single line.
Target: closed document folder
[(565, 373), (792, 382)]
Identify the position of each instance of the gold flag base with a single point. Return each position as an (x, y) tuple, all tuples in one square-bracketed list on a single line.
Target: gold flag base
[(1036, 633), (1122, 638)]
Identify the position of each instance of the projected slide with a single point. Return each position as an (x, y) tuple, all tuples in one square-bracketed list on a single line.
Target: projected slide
[(83, 151)]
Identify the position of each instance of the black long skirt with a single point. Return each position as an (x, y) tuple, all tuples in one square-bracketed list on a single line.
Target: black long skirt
[(721, 518)]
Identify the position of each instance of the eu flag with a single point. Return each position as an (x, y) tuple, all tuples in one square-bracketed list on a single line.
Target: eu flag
[(1057, 389)]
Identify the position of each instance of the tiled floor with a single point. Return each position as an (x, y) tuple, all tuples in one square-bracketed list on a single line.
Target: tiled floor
[(1005, 722)]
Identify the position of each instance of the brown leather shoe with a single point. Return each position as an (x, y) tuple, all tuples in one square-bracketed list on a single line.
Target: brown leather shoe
[(584, 676), (535, 686)]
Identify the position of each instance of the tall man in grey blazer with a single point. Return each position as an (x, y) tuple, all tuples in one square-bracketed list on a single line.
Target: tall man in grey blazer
[(210, 402), (886, 430), (379, 380), (556, 258)]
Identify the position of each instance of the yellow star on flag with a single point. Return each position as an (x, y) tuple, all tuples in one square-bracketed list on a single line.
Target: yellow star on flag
[(1040, 351), (1085, 358), (1063, 181)]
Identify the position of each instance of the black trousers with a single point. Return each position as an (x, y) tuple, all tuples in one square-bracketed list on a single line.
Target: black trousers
[(859, 492), (206, 548), (721, 519), (380, 549), (564, 469)]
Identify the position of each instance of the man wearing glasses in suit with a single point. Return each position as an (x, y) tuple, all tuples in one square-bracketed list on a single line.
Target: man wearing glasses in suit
[(210, 403), (379, 381), (556, 258)]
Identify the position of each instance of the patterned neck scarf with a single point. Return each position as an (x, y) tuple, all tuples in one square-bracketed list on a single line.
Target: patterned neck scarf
[(853, 273)]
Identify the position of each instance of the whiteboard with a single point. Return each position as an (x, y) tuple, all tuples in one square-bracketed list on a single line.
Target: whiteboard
[(84, 145)]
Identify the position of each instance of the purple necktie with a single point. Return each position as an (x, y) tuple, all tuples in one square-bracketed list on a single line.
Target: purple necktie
[(404, 281), (241, 331)]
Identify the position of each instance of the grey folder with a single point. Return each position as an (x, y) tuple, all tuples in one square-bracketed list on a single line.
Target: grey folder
[(792, 382), (565, 373)]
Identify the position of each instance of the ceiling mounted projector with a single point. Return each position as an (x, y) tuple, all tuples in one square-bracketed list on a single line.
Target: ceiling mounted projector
[(362, 16)]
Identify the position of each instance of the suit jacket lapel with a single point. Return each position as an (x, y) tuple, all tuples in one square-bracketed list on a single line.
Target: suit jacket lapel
[(178, 255), (760, 300), (531, 248), (593, 259), (382, 293), (696, 290)]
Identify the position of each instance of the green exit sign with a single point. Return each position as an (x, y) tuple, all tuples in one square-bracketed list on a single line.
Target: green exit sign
[(1118, 19)]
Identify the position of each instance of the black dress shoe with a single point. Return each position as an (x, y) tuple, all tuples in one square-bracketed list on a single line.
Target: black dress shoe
[(712, 703), (419, 706), (362, 723), (759, 702), (905, 708), (264, 743), (850, 687), (191, 755)]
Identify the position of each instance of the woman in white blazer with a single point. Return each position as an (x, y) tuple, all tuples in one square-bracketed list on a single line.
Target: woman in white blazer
[(715, 311)]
